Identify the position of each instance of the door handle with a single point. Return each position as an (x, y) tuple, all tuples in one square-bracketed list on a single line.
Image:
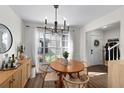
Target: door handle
[(91, 51)]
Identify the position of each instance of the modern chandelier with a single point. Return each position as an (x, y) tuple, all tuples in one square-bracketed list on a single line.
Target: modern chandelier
[(57, 28)]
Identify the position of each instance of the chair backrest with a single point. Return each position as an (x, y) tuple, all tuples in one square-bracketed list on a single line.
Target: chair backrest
[(44, 71), (44, 67), (85, 68), (76, 83)]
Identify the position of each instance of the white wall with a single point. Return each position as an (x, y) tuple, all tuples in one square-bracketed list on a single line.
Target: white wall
[(113, 17), (14, 23), (114, 33), (76, 42)]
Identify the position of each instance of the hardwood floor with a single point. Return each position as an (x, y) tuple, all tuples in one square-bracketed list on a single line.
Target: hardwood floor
[(98, 79), (37, 82), (98, 76)]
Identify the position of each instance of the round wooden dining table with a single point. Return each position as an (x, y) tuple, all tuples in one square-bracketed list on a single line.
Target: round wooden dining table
[(73, 66)]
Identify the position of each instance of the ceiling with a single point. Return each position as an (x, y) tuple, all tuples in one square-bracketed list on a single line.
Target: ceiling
[(77, 15), (110, 27)]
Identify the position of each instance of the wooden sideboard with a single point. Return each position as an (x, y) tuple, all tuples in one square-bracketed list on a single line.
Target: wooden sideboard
[(116, 74), (16, 78)]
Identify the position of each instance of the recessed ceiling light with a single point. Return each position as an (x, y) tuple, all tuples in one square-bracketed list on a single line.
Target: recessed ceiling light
[(104, 26)]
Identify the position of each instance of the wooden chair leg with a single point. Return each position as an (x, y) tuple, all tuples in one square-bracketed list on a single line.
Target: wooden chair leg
[(56, 84), (43, 77), (71, 76), (87, 85), (78, 75), (42, 84)]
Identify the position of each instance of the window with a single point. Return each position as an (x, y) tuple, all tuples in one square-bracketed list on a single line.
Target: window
[(54, 46), (64, 43)]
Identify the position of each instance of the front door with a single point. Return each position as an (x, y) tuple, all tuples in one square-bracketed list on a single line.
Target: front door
[(94, 50)]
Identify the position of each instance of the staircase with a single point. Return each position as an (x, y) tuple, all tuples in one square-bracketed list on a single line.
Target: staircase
[(113, 53)]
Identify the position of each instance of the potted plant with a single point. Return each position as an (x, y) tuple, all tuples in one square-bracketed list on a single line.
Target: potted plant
[(65, 55)]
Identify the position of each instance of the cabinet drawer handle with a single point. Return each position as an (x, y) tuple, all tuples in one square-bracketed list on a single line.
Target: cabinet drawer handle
[(11, 81)]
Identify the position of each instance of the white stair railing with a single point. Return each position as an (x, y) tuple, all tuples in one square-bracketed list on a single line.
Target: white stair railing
[(114, 51)]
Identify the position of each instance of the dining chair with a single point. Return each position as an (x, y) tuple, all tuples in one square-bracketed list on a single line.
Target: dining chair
[(85, 68), (48, 74), (76, 82)]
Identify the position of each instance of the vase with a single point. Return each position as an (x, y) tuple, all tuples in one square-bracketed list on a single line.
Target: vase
[(21, 56), (65, 62)]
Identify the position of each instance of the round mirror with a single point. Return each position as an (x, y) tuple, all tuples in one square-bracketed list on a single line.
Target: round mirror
[(6, 39)]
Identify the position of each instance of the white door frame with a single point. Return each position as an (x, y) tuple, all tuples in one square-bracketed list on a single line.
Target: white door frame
[(92, 61)]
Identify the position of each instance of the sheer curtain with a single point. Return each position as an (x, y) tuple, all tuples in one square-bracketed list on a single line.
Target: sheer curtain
[(70, 46), (29, 43), (37, 36), (31, 37)]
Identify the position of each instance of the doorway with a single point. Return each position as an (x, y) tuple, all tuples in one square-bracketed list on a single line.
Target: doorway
[(96, 41), (94, 48)]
